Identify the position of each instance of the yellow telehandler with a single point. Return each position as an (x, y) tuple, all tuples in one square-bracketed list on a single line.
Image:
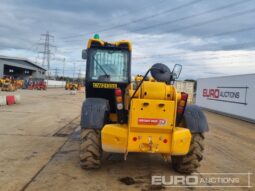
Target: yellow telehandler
[(148, 115)]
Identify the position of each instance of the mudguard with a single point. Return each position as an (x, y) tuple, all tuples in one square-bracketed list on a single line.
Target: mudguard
[(94, 113), (195, 119)]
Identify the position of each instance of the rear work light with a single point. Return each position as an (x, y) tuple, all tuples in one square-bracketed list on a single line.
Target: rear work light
[(119, 106)]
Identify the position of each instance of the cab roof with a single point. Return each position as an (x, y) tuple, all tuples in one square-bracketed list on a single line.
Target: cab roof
[(124, 44)]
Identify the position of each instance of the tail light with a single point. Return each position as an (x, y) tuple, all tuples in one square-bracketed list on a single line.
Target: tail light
[(181, 106), (118, 98), (118, 92)]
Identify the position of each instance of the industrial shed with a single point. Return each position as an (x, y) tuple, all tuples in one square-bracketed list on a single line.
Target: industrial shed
[(20, 68)]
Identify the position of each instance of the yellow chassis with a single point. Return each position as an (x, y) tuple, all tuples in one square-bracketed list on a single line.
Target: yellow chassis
[(151, 126), (117, 138)]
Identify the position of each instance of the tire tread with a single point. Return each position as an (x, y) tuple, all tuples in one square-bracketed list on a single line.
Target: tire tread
[(189, 163), (90, 149)]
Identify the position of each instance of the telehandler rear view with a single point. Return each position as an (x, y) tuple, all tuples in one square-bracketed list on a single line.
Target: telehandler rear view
[(148, 115)]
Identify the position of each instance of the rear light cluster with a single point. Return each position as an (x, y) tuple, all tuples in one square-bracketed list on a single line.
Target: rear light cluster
[(118, 98), (182, 103), (181, 107)]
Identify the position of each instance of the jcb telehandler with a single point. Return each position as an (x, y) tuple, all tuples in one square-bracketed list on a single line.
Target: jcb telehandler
[(148, 115)]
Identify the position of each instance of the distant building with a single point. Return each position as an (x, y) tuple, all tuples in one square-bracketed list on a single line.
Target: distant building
[(20, 68)]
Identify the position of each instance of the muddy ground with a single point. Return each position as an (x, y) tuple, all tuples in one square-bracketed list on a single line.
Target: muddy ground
[(39, 142)]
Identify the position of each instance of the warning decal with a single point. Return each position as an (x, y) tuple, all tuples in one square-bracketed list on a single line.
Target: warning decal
[(151, 121)]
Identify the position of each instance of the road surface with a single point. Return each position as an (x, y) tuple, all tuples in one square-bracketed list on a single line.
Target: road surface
[(39, 142)]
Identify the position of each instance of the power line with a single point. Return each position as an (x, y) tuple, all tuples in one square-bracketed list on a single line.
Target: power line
[(120, 16), (221, 63), (205, 57), (194, 15), (232, 32), (67, 49), (200, 14), (182, 53), (185, 52), (214, 20), (180, 19), (138, 20), (217, 35), (199, 54)]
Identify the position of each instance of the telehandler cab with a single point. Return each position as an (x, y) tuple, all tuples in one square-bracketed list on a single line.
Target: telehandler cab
[(148, 115)]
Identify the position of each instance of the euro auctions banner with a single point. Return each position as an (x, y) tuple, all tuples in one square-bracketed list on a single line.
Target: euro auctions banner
[(236, 95), (232, 95)]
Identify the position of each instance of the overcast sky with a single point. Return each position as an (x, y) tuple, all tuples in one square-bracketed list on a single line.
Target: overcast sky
[(209, 38)]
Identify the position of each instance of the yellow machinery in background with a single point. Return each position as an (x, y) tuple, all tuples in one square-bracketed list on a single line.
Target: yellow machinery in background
[(19, 83), (147, 115), (8, 84), (1, 82), (73, 86), (67, 86)]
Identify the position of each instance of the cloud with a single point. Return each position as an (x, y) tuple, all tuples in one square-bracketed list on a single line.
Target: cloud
[(22, 22)]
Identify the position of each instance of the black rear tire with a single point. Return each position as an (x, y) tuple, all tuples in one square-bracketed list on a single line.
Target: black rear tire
[(90, 148), (189, 163)]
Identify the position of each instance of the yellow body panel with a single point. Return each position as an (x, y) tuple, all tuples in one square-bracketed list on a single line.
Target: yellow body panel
[(124, 42), (95, 40), (143, 111), (149, 142), (180, 141), (153, 90), (117, 138), (114, 138), (151, 124), (102, 43)]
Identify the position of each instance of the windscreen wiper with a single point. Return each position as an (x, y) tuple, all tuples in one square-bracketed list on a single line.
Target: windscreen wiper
[(100, 66)]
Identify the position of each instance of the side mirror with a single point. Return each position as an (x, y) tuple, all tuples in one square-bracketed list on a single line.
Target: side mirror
[(176, 71), (84, 54)]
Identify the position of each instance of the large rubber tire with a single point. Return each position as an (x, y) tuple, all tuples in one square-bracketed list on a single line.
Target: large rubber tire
[(90, 148), (189, 163)]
